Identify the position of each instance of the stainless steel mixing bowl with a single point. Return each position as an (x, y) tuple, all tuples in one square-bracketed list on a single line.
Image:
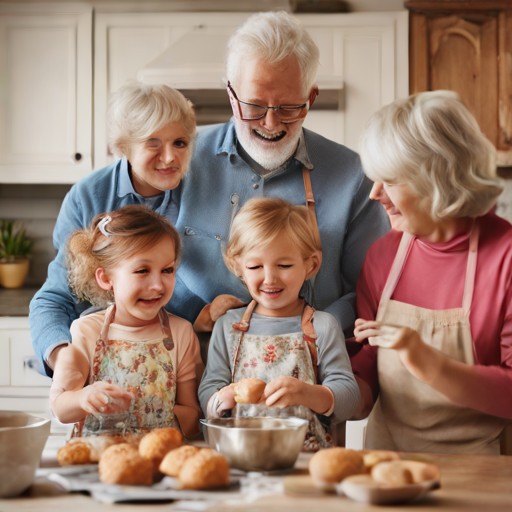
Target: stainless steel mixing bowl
[(22, 439), (257, 444)]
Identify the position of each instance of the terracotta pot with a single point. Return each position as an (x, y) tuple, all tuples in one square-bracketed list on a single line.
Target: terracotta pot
[(13, 274)]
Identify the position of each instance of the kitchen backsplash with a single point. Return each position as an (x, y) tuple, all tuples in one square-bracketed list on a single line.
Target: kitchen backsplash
[(38, 206)]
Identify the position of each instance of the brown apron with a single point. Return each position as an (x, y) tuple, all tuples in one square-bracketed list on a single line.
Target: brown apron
[(409, 415)]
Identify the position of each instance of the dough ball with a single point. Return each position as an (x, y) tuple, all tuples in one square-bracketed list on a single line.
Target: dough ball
[(373, 457), (174, 460), (123, 465), (204, 470), (155, 445), (330, 466), (249, 391), (98, 444), (75, 452), (403, 472)]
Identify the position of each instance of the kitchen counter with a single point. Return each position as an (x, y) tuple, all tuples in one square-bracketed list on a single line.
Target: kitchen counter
[(15, 301), (468, 482)]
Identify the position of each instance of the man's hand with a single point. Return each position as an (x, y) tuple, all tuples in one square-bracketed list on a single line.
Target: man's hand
[(284, 392), (212, 312), (104, 398)]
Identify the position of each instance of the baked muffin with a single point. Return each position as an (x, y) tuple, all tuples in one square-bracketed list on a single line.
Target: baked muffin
[(371, 458), (155, 445), (330, 466), (403, 472), (204, 470), (74, 452), (249, 391), (174, 460), (122, 464)]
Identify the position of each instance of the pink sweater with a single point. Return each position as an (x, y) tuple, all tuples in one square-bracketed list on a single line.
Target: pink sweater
[(433, 278)]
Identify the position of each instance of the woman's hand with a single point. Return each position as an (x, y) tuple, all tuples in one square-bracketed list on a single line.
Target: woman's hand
[(104, 398), (212, 312), (383, 335)]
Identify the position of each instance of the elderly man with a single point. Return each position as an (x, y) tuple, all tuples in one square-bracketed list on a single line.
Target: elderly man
[(264, 151)]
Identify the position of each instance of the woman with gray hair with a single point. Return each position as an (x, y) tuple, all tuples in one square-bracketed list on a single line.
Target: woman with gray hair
[(152, 128), (434, 296)]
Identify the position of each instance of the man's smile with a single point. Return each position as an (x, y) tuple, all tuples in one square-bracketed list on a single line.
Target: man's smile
[(273, 137)]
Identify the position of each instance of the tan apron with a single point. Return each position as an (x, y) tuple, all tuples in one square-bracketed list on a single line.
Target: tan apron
[(266, 357), (146, 369), (409, 415)]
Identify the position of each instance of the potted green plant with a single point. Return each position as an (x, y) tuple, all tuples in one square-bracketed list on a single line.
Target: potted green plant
[(15, 251)]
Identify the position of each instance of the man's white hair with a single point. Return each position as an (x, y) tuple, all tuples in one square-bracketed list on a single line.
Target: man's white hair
[(273, 37)]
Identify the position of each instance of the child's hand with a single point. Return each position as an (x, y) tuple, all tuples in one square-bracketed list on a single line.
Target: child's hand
[(104, 398), (225, 400), (284, 392)]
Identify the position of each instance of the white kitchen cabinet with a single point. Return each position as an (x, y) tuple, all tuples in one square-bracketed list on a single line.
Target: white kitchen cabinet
[(22, 388), (45, 92), (363, 55)]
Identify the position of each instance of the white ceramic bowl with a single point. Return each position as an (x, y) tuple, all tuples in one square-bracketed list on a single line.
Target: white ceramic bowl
[(22, 439)]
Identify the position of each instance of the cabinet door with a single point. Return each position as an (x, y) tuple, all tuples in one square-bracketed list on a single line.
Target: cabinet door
[(45, 93)]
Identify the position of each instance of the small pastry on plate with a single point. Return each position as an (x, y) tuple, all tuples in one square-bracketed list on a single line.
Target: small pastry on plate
[(404, 472), (373, 457), (249, 391), (72, 453), (155, 445), (204, 470), (173, 462), (330, 466), (123, 465)]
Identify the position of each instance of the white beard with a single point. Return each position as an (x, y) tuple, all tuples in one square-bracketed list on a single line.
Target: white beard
[(270, 158)]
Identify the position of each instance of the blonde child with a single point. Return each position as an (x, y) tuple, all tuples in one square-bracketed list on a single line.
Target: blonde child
[(134, 357), (274, 248)]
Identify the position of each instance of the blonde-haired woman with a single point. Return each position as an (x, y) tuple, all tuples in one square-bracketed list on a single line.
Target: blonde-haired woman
[(435, 294), (152, 128)]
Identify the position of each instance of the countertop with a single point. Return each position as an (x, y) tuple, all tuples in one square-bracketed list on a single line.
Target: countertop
[(468, 482), (15, 301)]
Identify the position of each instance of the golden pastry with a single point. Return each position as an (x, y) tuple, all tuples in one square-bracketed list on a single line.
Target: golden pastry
[(403, 472), (330, 466), (371, 458), (249, 391), (174, 460), (122, 464), (204, 470), (155, 445), (75, 452)]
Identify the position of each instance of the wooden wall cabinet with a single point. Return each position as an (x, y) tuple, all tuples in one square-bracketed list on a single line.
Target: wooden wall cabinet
[(466, 46)]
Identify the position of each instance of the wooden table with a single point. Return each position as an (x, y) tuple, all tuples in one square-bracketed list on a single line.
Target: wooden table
[(468, 482)]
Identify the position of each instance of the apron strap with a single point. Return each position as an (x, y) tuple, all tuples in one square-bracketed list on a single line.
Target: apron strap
[(168, 340), (469, 284), (242, 327), (310, 199), (310, 337)]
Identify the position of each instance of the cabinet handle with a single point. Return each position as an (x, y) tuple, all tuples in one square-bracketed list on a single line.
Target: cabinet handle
[(32, 363), (77, 157)]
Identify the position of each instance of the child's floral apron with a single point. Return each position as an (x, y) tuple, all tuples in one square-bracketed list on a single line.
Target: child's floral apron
[(144, 368), (266, 357)]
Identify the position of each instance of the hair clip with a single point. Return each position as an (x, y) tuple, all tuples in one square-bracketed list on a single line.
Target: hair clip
[(102, 223)]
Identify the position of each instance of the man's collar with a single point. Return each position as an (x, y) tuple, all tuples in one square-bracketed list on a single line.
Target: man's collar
[(229, 145)]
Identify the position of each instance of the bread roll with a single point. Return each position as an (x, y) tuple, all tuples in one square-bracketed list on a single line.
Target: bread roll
[(330, 466), (249, 391), (122, 464), (204, 470), (403, 472), (75, 452), (373, 457), (174, 460), (155, 445)]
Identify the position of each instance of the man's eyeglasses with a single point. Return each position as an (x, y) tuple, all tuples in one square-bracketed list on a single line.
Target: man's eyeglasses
[(285, 113)]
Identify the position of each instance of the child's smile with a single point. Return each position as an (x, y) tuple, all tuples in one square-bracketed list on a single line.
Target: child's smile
[(274, 275), (143, 284)]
